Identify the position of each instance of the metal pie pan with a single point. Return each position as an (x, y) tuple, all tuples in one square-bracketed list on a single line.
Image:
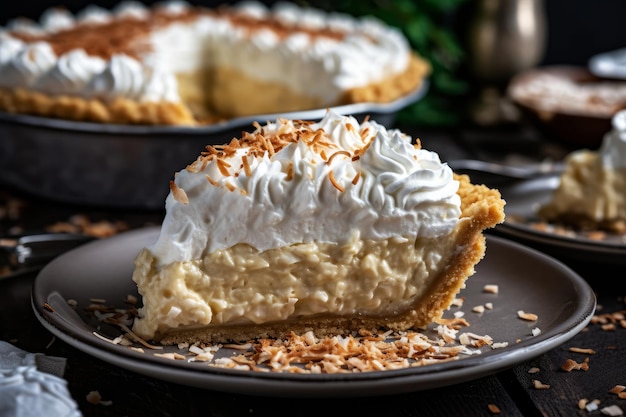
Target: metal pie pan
[(128, 166)]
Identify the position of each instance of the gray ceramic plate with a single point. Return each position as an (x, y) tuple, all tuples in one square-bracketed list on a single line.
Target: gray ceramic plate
[(126, 166), (523, 199), (527, 281)]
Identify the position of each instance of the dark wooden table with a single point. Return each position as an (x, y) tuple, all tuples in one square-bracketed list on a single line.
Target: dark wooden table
[(512, 390)]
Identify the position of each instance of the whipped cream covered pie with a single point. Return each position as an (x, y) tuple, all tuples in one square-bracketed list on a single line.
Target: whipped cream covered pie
[(330, 226), (592, 189), (178, 64)]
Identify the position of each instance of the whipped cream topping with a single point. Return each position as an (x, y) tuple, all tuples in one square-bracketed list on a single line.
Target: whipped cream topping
[(294, 182), (613, 148), (368, 52)]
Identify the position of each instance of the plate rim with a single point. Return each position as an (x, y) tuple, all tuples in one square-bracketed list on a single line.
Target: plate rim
[(524, 231), (369, 383)]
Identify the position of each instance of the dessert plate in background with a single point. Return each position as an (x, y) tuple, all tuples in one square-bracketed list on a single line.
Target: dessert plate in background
[(524, 198), (527, 280)]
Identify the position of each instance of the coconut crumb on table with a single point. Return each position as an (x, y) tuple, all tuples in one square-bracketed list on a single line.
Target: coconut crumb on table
[(586, 351), (571, 365), (491, 289), (494, 409), (612, 410)]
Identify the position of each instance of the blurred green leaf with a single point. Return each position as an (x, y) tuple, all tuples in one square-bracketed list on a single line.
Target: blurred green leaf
[(426, 25)]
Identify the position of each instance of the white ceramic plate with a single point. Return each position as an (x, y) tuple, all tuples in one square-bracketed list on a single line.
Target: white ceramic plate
[(523, 199), (527, 281)]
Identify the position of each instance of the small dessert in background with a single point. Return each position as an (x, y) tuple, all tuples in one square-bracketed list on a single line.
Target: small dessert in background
[(331, 227), (569, 103), (592, 189), (178, 64)]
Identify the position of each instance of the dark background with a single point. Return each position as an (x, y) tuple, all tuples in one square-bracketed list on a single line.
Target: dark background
[(578, 29)]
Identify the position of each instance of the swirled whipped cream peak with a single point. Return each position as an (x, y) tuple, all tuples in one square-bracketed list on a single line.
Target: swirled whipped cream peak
[(294, 182)]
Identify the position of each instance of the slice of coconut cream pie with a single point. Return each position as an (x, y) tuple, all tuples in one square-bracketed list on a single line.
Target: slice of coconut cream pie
[(331, 226)]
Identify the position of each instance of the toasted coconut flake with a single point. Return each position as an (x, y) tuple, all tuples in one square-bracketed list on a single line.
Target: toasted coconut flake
[(540, 385), (612, 410), (334, 155), (617, 389), (170, 355), (527, 316), (571, 365), (458, 302), (211, 181), (491, 288), (582, 350), (478, 309), (48, 307), (338, 186), (493, 409), (534, 370), (179, 194), (93, 397), (582, 403)]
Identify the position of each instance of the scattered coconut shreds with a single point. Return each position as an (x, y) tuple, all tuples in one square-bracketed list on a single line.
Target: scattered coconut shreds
[(571, 365), (610, 321), (617, 389), (534, 370), (491, 289), (582, 350), (612, 410), (527, 316), (494, 409)]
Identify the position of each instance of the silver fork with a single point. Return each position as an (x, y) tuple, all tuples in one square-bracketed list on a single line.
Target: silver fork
[(504, 172)]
